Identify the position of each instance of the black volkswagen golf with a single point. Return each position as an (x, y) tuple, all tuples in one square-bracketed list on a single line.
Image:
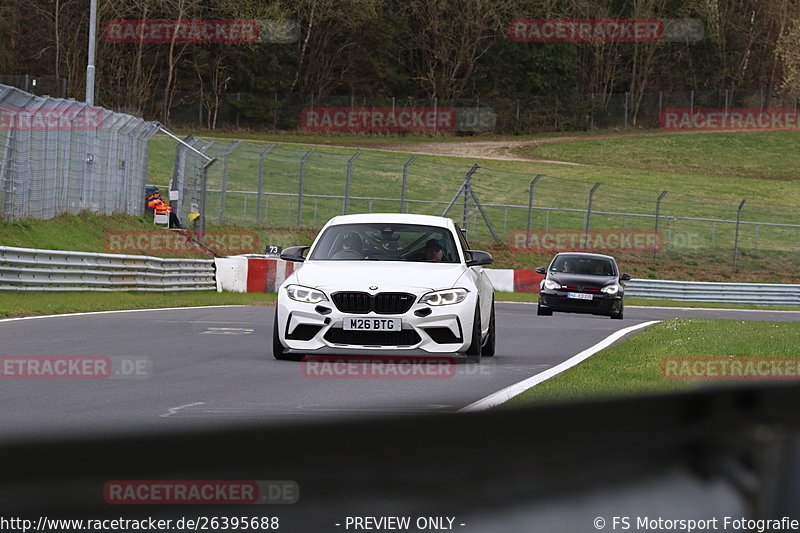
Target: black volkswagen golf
[(582, 283)]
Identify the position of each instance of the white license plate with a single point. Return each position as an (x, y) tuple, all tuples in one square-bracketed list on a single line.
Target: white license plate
[(372, 324), (579, 296)]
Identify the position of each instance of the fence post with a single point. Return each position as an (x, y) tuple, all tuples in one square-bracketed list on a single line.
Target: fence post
[(223, 192), (300, 187), (736, 239), (346, 204), (203, 171), (466, 195), (403, 206), (530, 209), (658, 209), (261, 159), (589, 214)]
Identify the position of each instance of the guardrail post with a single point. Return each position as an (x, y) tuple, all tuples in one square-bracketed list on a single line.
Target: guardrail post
[(403, 206), (300, 187), (346, 204), (530, 209), (658, 209), (736, 239), (261, 159), (589, 215)]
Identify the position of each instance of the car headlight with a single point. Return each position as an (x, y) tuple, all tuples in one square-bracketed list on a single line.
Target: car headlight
[(551, 285), (445, 297), (305, 294), (611, 289)]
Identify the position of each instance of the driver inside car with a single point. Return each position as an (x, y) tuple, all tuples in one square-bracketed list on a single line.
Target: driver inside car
[(351, 248)]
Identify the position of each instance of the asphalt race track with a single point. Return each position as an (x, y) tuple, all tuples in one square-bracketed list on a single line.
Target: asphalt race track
[(213, 366)]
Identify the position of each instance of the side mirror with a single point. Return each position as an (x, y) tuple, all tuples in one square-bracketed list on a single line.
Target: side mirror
[(294, 253), (479, 258), (625, 277), (541, 270)]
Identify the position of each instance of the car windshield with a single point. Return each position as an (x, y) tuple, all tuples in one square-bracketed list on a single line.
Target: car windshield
[(584, 265), (386, 242)]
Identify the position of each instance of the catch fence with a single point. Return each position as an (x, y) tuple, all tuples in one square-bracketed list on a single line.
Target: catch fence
[(281, 185)]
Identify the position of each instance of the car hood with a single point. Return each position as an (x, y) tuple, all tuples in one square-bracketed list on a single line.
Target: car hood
[(386, 275), (581, 279)]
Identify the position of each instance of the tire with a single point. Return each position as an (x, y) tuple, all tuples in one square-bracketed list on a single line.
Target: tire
[(491, 339), (474, 351), (618, 316), (541, 311)]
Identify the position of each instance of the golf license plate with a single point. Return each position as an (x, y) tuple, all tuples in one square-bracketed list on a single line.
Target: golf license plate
[(372, 324), (579, 296)]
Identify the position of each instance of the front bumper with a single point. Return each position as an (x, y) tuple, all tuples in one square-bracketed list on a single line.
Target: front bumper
[(317, 329), (600, 304)]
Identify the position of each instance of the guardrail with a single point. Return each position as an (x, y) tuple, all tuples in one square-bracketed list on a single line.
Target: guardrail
[(700, 291), (29, 269)]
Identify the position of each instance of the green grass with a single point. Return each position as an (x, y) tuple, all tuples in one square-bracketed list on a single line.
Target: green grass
[(87, 232), (706, 176), (84, 232), (17, 304), (634, 365), (753, 155)]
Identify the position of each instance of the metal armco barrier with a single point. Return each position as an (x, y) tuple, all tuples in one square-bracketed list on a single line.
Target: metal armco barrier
[(28, 269), (699, 291)]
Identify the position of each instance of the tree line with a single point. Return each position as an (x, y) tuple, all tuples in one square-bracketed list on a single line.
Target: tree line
[(444, 49)]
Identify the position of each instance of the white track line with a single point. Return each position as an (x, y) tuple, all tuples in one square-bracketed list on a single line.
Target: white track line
[(506, 394), (117, 311), (173, 410)]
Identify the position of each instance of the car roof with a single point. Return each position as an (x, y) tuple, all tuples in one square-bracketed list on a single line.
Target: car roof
[(589, 255), (391, 218)]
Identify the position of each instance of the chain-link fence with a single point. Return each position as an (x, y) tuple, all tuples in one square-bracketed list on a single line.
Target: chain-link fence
[(61, 156), (299, 187)]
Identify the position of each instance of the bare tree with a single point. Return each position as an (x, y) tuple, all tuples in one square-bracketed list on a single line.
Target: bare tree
[(446, 40)]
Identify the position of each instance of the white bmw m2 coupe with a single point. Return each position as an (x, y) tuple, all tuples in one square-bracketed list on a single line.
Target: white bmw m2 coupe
[(386, 284)]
